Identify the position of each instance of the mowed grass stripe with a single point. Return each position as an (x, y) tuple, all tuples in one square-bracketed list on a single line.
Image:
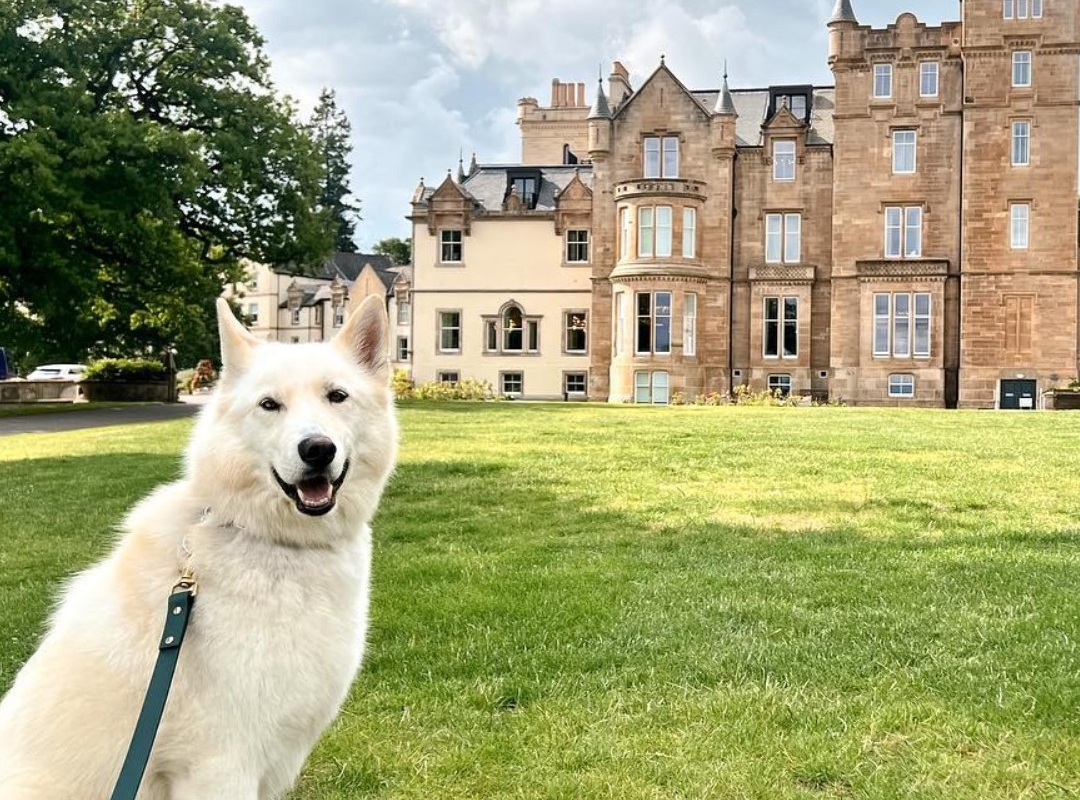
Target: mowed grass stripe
[(588, 601)]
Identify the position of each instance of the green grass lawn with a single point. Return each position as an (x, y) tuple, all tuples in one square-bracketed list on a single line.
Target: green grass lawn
[(587, 601)]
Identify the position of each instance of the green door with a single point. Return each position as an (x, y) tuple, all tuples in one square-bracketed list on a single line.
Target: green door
[(1017, 394)]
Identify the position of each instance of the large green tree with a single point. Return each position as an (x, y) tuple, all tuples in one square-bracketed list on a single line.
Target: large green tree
[(399, 250), (331, 130), (143, 153)]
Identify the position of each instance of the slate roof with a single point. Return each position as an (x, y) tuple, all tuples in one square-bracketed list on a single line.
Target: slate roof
[(753, 104), (487, 184)]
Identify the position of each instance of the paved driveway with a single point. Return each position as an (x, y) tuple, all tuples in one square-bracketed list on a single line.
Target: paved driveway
[(99, 417)]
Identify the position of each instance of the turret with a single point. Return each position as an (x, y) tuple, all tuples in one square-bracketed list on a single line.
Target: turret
[(599, 125), (722, 124), (842, 20)]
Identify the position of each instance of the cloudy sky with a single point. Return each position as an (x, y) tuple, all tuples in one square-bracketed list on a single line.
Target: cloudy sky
[(424, 80)]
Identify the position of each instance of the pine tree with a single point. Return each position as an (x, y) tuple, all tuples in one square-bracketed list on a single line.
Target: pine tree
[(331, 131)]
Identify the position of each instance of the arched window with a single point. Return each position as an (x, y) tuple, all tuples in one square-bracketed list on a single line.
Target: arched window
[(512, 324)]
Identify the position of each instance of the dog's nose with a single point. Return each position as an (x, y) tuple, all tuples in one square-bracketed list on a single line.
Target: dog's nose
[(317, 451)]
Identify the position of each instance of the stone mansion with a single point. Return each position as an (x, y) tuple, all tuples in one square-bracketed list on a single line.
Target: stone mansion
[(907, 236)]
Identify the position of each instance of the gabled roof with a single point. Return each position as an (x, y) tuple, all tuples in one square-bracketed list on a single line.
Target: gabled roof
[(663, 70), (350, 265), (752, 105)]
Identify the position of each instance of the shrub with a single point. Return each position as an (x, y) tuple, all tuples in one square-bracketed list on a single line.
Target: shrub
[(125, 370), (403, 386)]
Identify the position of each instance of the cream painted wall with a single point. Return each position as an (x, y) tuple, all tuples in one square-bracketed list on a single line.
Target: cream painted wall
[(504, 259)]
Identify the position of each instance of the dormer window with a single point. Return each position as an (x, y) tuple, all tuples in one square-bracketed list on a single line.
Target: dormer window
[(526, 185), (795, 99)]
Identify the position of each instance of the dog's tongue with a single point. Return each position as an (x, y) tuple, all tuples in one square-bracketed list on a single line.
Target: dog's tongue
[(314, 492)]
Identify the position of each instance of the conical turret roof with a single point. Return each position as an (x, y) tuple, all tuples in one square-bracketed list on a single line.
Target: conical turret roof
[(842, 12), (600, 108)]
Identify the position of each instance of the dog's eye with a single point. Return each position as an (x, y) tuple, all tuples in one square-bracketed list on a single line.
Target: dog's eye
[(269, 404), (336, 396)]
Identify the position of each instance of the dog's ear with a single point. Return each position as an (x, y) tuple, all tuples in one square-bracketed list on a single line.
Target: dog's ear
[(236, 340), (363, 337)]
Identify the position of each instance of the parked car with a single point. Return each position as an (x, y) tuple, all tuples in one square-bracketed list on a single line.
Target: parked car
[(57, 372)]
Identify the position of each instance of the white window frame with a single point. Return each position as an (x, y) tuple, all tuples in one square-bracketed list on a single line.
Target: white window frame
[(584, 378), (902, 384), (1021, 69), (783, 155), (903, 325), (253, 314), (929, 74), (294, 315), (783, 237), (450, 376), (780, 381), (403, 348), (646, 232), (626, 230), (1021, 9), (883, 78), (663, 219), (1020, 143), (512, 376), (651, 388), (339, 315), (1019, 225), (403, 312), (689, 232), (451, 240), (656, 321), (783, 318), (660, 157), (444, 328), (903, 231), (689, 324), (904, 151), (577, 246), (619, 324)]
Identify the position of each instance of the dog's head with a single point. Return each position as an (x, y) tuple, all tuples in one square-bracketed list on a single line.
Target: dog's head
[(298, 431)]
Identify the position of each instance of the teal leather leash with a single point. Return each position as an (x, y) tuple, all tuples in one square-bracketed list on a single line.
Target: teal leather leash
[(181, 601)]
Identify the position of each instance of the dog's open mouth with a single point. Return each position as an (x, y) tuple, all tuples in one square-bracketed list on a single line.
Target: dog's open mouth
[(313, 495)]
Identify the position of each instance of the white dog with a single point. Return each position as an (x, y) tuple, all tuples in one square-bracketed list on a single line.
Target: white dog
[(282, 476)]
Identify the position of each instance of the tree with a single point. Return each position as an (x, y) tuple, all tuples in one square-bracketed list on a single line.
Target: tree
[(331, 132), (399, 250), (143, 154)]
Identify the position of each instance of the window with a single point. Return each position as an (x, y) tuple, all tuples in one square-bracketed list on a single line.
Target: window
[(339, 315), (618, 324), (403, 312), (783, 238), (449, 331), (577, 247), (901, 385), (661, 157), (780, 384), (253, 280), (511, 382), (450, 376), (1021, 143), (450, 249), (882, 80), (295, 317), (654, 231), (689, 324), (1019, 224), (653, 323), (513, 329), (574, 383), (902, 325), (689, 232), (783, 166), (626, 233), (1021, 68), (403, 348), (525, 187), (781, 332), (651, 387), (903, 152), (1022, 9), (253, 313), (645, 232), (576, 339), (903, 231), (928, 78), (318, 314)]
